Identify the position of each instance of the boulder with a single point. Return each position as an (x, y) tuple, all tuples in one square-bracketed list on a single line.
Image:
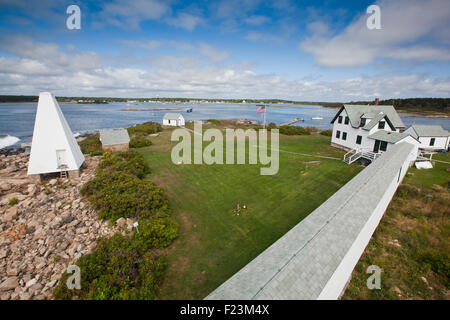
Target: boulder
[(9, 284)]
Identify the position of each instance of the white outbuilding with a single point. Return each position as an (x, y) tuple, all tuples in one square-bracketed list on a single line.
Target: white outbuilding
[(53, 148), (431, 137), (173, 119)]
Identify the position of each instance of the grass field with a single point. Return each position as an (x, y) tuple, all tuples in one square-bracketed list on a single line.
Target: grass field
[(411, 243), (214, 241)]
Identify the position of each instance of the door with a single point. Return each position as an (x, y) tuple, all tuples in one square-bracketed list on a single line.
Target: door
[(61, 158), (376, 146)]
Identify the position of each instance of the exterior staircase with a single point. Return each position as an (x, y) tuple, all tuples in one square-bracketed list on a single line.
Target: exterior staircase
[(356, 154)]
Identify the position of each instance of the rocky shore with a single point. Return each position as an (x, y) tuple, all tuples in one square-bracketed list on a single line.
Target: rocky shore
[(44, 228)]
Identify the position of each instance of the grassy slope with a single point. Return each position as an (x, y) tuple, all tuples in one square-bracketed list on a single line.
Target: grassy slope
[(416, 224), (215, 243)]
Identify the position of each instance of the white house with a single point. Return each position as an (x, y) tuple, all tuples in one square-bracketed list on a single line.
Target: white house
[(431, 138), (354, 127), (173, 119), (53, 147)]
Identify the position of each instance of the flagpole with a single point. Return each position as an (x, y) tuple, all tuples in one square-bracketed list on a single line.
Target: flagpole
[(265, 110)]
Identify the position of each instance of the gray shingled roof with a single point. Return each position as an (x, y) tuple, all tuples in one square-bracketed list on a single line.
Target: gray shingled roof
[(391, 137), (377, 118), (172, 116), (430, 131), (114, 136), (300, 264), (355, 112)]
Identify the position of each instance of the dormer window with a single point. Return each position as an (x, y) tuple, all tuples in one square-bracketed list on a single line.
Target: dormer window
[(381, 124), (363, 122)]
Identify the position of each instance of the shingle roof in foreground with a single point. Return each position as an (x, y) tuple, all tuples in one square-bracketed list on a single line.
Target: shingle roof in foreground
[(114, 136), (301, 263)]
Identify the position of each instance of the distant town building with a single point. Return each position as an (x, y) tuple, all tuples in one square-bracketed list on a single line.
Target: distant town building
[(115, 140), (53, 147), (173, 119)]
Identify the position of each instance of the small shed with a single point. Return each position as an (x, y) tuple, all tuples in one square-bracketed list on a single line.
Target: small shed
[(173, 119), (115, 140), (431, 137)]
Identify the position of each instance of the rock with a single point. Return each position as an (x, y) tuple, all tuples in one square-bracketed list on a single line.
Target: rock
[(424, 280), (5, 186), (398, 291), (121, 222), (53, 182), (9, 284), (30, 283), (10, 214)]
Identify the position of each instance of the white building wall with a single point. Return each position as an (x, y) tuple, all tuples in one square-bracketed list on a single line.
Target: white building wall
[(439, 143), (352, 133)]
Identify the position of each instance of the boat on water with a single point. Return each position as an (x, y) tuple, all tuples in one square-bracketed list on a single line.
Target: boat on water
[(299, 119), (316, 118)]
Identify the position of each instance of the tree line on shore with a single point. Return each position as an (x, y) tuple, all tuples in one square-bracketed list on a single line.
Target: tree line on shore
[(409, 104)]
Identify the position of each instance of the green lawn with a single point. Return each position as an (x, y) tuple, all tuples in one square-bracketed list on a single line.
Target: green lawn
[(214, 242)]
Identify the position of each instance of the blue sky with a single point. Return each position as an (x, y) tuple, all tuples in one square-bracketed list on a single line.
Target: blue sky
[(301, 50)]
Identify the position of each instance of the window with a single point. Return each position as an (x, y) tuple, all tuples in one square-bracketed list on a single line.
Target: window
[(363, 122), (347, 120), (340, 119), (432, 140), (358, 139), (344, 135), (381, 124), (338, 134), (383, 146)]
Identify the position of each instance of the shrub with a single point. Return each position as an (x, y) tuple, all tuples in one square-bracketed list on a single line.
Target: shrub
[(145, 128), (13, 201), (139, 142), (91, 145), (130, 162), (118, 191), (271, 126), (293, 130), (118, 269), (327, 133), (157, 231)]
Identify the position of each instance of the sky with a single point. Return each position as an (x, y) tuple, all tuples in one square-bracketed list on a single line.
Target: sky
[(297, 50)]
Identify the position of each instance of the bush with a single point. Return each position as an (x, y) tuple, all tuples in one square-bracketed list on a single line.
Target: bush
[(271, 126), (119, 191), (157, 231), (130, 162), (145, 128), (118, 269), (13, 201), (327, 133), (139, 142), (293, 130), (91, 145)]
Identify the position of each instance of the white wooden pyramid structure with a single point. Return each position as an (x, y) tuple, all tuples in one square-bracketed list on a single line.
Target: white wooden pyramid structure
[(54, 147)]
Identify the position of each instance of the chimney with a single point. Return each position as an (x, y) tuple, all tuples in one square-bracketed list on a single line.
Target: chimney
[(377, 101)]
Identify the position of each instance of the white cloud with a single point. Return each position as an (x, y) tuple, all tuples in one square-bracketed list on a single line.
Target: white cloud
[(213, 53), (405, 25), (129, 14), (77, 73), (256, 20), (185, 21)]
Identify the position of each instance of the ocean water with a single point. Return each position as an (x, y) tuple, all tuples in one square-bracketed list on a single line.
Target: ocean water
[(17, 119)]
